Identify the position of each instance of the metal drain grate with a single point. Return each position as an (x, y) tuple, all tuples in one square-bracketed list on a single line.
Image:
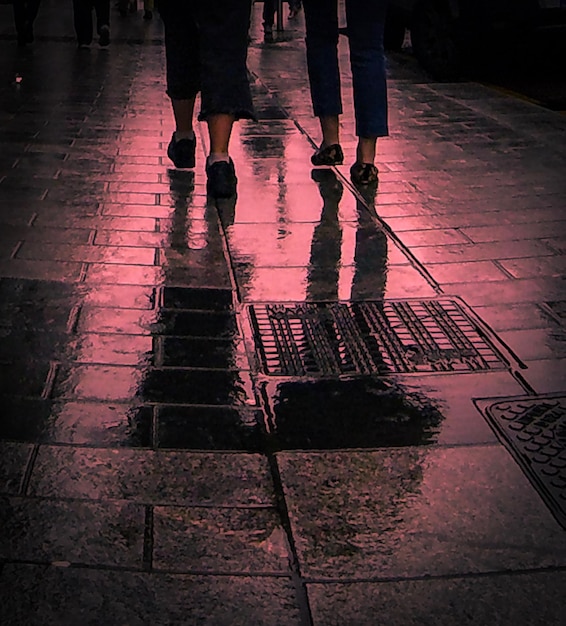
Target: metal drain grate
[(534, 431), (378, 337)]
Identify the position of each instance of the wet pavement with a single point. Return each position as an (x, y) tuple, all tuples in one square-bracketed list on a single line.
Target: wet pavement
[(308, 405)]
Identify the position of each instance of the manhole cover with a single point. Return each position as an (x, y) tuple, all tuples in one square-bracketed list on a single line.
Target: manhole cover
[(379, 337), (534, 430)]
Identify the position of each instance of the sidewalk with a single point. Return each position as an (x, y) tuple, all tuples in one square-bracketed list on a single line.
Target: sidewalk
[(304, 407)]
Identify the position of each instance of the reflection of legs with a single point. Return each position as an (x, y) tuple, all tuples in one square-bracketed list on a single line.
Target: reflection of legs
[(181, 185), (370, 256), (324, 262)]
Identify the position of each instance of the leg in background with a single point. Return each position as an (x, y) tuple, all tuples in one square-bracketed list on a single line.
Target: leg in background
[(268, 17), (148, 6), (82, 20), (102, 12), (25, 12)]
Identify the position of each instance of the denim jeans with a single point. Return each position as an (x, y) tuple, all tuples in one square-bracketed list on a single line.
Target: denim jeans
[(82, 17), (206, 46), (365, 22)]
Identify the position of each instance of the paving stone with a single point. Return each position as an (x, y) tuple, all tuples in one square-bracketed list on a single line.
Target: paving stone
[(210, 428), (163, 477), (219, 540), (415, 512), (97, 424), (101, 533), (24, 419), (534, 598), (14, 458), (88, 254), (115, 320), (35, 595)]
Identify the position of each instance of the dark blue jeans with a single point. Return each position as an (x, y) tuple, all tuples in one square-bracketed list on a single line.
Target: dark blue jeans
[(206, 46), (365, 22)]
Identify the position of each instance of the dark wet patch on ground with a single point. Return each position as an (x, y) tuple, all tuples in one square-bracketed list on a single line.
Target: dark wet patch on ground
[(358, 413)]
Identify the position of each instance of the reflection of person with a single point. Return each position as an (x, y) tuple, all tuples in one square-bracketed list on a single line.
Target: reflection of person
[(365, 22), (324, 263), (82, 19), (25, 12), (206, 49), (370, 256), (181, 186)]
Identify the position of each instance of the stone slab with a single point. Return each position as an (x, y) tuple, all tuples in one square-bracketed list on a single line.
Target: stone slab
[(416, 512), (535, 598), (162, 477), (39, 595), (219, 540)]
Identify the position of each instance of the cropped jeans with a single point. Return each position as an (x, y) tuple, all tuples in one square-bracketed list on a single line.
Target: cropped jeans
[(206, 46), (365, 22)]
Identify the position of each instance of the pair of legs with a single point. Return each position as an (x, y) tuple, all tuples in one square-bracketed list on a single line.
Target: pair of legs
[(206, 46), (25, 12), (82, 19), (365, 23)]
